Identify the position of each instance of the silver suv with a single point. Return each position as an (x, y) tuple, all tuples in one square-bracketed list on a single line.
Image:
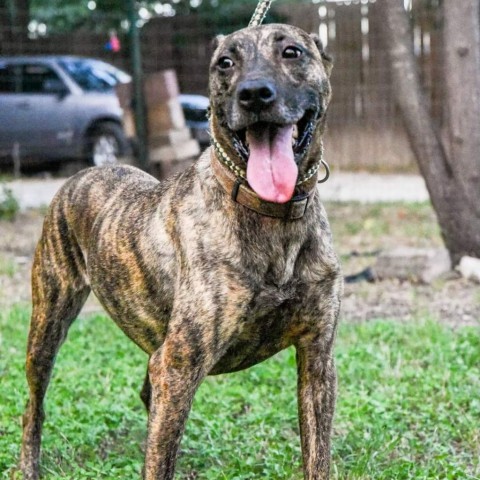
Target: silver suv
[(54, 108)]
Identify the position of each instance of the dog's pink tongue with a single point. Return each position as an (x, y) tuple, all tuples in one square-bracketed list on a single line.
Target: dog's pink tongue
[(271, 169)]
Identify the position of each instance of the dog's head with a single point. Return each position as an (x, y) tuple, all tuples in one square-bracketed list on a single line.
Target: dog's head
[(269, 92)]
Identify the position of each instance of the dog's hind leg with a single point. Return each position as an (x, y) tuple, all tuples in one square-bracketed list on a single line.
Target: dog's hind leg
[(59, 290)]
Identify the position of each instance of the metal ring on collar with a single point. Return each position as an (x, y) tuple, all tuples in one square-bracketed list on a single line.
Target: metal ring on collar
[(327, 171)]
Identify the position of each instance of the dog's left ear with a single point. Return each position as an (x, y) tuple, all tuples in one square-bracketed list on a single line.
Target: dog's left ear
[(327, 59)]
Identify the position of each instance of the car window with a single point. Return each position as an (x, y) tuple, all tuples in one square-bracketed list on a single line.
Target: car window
[(88, 76), (7, 79), (193, 114), (37, 78), (119, 75)]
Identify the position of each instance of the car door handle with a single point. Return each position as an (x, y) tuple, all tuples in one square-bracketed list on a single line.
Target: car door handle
[(23, 105)]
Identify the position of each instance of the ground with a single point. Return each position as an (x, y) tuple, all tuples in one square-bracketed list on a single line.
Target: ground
[(360, 232)]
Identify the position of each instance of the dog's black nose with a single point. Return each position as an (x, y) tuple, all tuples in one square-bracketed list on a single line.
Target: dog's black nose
[(256, 94)]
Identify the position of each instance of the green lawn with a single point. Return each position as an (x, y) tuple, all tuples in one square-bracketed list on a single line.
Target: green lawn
[(408, 407)]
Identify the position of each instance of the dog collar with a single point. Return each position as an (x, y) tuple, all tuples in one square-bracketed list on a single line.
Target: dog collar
[(236, 185)]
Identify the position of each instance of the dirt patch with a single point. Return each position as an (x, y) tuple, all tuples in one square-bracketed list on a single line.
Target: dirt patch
[(360, 232), (17, 244), (453, 301)]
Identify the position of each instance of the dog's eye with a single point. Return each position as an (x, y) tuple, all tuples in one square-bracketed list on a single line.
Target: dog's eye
[(292, 52), (225, 63)]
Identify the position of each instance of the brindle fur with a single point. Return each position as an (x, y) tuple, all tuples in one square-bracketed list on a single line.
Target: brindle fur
[(200, 283)]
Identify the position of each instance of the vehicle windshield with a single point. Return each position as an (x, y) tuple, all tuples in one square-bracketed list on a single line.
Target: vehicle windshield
[(94, 75)]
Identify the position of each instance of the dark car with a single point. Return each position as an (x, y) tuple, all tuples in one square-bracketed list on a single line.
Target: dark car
[(195, 109), (61, 107)]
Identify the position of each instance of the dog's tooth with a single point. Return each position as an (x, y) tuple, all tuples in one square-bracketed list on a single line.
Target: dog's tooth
[(295, 132)]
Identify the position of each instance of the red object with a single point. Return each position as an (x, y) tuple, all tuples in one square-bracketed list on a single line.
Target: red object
[(115, 44)]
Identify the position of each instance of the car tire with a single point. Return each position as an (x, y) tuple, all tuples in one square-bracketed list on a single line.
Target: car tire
[(107, 145)]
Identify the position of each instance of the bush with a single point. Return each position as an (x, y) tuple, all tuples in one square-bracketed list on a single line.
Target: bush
[(9, 206)]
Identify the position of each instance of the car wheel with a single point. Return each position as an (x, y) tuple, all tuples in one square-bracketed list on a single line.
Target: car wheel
[(107, 145)]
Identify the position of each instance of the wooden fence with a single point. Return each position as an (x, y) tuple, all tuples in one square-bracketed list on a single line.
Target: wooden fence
[(365, 129)]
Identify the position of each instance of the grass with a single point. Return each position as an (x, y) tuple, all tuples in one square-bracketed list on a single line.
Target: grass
[(9, 206), (379, 224), (368, 228), (408, 407), (7, 266)]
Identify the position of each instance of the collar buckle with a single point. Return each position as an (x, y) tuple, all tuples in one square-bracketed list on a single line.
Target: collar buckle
[(297, 207), (235, 189)]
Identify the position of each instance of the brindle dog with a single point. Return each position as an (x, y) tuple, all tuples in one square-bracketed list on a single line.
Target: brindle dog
[(216, 269)]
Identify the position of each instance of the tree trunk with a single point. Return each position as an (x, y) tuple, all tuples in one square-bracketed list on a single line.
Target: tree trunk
[(452, 177), (462, 66)]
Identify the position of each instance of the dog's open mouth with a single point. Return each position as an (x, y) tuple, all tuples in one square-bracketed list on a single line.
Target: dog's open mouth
[(272, 153)]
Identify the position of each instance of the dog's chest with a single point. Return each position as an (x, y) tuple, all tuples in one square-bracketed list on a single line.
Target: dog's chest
[(271, 320), (272, 283), (269, 325)]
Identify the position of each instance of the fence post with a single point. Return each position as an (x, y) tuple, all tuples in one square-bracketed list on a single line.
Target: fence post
[(16, 160), (138, 97)]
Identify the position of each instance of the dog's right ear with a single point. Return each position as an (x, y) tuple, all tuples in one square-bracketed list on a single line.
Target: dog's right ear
[(327, 59), (216, 41)]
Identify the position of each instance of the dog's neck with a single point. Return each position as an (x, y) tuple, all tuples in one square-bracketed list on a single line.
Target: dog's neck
[(237, 188)]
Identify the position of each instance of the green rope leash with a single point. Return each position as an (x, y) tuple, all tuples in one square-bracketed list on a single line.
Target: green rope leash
[(260, 12)]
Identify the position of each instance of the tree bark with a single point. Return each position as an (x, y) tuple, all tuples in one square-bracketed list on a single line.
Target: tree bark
[(452, 177), (462, 66)]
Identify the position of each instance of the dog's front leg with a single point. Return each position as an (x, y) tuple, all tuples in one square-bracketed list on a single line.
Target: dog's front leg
[(175, 375), (316, 403)]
